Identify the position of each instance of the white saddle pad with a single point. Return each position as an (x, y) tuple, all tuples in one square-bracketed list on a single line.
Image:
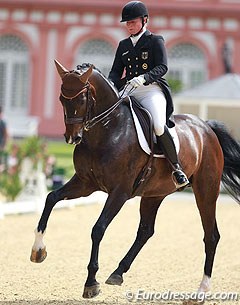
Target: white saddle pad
[(142, 139)]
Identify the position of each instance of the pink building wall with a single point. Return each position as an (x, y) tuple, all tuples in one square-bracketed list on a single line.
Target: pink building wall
[(207, 24)]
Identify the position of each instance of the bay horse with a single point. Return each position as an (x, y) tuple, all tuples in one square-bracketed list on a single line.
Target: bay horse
[(108, 157)]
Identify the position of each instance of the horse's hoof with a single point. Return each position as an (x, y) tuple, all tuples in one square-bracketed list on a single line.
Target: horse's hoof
[(38, 256), (91, 291), (114, 279)]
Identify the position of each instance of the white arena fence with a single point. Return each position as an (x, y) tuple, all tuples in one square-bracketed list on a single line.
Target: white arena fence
[(36, 204)]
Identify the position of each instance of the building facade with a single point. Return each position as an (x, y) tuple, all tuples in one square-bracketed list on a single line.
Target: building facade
[(202, 38)]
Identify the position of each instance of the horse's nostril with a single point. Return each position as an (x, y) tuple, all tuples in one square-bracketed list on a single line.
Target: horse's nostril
[(78, 140)]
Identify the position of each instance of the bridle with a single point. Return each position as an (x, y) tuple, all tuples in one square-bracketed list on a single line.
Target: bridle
[(81, 119), (72, 97), (85, 120)]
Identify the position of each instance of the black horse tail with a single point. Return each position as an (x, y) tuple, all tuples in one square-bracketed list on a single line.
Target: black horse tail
[(231, 152)]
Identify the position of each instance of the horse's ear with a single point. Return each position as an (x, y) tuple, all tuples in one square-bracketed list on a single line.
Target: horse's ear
[(60, 68), (85, 76)]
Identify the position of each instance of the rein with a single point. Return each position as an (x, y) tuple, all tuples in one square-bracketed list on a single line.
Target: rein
[(90, 123)]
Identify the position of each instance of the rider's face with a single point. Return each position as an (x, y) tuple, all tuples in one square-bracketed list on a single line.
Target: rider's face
[(134, 26)]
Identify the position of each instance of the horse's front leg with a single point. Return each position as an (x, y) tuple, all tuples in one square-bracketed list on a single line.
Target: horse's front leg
[(72, 189), (148, 212), (112, 206)]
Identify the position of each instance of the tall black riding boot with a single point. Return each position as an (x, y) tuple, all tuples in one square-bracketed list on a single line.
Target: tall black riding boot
[(167, 145)]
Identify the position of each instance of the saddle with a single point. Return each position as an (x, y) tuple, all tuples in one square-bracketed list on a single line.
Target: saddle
[(146, 122)]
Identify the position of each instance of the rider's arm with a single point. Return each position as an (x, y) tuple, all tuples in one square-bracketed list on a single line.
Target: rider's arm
[(160, 61)]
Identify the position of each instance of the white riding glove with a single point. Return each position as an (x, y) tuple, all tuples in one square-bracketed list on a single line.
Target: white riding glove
[(137, 81)]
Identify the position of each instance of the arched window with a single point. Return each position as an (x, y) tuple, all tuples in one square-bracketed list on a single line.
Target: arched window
[(97, 52), (14, 74), (187, 63)]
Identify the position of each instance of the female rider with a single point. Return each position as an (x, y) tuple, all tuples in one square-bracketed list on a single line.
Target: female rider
[(141, 62)]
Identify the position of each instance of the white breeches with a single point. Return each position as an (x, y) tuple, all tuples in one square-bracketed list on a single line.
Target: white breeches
[(152, 98)]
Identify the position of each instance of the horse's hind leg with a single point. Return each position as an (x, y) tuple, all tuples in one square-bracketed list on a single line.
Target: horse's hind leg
[(72, 189), (206, 197), (148, 212)]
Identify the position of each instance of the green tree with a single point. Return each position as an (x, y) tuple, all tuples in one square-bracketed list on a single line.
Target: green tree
[(176, 85)]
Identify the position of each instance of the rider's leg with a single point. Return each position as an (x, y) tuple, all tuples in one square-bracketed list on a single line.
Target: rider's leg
[(165, 141), (153, 99)]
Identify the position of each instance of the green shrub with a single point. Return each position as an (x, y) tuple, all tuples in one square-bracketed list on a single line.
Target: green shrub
[(10, 185), (33, 148)]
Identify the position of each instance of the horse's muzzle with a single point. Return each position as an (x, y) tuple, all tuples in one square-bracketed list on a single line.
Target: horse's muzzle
[(73, 140)]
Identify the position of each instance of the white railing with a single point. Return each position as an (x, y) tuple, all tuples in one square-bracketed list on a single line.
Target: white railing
[(35, 204), (223, 110), (22, 126)]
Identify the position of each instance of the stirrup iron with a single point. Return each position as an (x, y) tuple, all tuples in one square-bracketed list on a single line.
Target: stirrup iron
[(179, 178)]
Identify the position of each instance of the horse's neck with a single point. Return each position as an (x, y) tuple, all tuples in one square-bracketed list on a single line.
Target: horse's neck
[(114, 122), (106, 95), (114, 119)]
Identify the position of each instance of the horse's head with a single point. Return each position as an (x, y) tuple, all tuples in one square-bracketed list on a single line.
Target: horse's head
[(77, 99)]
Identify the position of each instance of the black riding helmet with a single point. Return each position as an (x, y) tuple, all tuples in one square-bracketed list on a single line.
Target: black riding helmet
[(133, 10)]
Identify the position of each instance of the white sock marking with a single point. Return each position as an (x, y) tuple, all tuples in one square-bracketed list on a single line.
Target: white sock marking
[(38, 243), (205, 284)]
